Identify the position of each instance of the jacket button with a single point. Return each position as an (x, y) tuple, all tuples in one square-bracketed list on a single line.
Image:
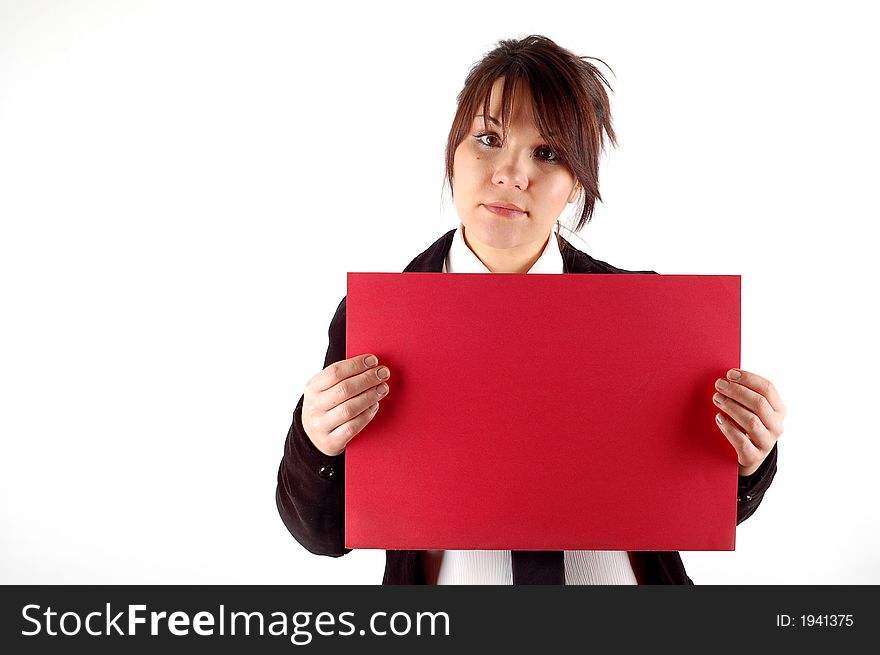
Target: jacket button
[(326, 472)]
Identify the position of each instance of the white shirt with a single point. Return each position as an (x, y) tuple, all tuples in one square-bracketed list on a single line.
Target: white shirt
[(495, 566), (461, 259)]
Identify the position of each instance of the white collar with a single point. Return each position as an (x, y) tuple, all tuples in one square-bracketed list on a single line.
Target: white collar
[(461, 259)]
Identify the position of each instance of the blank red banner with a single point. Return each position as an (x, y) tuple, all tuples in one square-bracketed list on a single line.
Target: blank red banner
[(544, 412)]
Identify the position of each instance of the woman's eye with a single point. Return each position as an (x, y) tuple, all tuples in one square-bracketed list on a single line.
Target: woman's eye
[(483, 138), (547, 154)]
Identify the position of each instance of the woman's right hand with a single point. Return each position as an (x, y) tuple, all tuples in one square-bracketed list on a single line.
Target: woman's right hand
[(340, 400)]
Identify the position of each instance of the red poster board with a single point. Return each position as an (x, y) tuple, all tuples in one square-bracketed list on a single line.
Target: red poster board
[(544, 412)]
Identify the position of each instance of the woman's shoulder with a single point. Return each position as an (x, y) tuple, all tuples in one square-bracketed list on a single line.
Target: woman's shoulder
[(431, 259), (577, 261)]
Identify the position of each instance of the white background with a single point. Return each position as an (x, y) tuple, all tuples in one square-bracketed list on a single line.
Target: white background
[(183, 186)]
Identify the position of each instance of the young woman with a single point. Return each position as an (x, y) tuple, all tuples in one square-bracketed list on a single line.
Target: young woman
[(531, 122)]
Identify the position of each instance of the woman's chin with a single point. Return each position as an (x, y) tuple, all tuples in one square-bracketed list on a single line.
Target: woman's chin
[(499, 237)]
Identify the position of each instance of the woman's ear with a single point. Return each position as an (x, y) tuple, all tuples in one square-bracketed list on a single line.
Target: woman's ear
[(574, 192)]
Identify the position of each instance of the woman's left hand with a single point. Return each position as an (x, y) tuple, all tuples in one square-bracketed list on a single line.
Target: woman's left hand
[(752, 416)]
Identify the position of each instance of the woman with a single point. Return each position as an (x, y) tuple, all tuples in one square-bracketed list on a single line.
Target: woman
[(531, 122)]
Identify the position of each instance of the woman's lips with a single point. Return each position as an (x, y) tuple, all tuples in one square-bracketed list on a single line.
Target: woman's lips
[(503, 211)]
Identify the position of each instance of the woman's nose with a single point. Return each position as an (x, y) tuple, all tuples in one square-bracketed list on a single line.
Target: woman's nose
[(510, 171)]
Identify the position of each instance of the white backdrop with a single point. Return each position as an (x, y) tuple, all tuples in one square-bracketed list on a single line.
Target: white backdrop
[(183, 186)]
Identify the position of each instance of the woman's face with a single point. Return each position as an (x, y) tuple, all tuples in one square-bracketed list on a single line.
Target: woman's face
[(522, 170)]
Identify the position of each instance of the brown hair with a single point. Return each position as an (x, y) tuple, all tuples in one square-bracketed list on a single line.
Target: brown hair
[(569, 101)]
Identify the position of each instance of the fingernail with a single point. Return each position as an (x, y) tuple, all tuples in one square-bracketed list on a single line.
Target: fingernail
[(719, 418), (382, 389), (718, 398), (371, 360), (722, 384), (733, 374), (383, 373)]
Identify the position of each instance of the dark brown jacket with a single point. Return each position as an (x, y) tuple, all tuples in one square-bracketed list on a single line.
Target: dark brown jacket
[(310, 484)]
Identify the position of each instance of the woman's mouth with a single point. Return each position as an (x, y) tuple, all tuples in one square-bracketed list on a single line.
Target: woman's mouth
[(503, 210)]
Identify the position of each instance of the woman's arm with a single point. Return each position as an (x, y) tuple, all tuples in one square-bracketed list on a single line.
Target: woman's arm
[(751, 488), (310, 487), (752, 416)]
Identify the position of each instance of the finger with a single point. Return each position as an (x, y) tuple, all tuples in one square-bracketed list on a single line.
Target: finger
[(352, 407), (746, 453), (759, 384), (753, 401), (351, 387), (348, 430), (747, 421), (341, 370)]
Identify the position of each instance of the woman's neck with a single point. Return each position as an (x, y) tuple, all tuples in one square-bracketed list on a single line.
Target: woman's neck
[(500, 260)]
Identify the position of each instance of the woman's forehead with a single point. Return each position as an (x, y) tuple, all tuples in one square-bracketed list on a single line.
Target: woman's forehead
[(521, 104), (520, 94)]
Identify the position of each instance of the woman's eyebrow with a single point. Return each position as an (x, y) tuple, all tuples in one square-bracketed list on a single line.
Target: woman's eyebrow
[(492, 119)]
